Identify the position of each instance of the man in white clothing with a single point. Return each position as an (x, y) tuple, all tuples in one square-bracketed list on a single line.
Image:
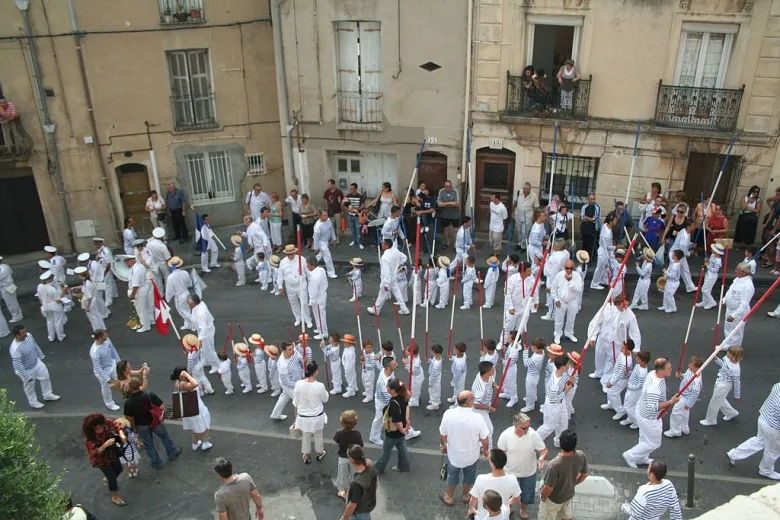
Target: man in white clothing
[(392, 259), (464, 245), (256, 200), (626, 326), (178, 289), (58, 264), (293, 272), (324, 236), (606, 252), (737, 301), (518, 291), (97, 275), (525, 208), (203, 323), (106, 259), (566, 288), (557, 257), (318, 296), (258, 241), (653, 499), (525, 453), (140, 287), (498, 214), (605, 350), (160, 255), (767, 439), (8, 292), (392, 228), (207, 236), (26, 359)]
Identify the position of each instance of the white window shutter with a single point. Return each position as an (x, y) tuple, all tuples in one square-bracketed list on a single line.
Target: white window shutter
[(201, 86), (347, 33), (370, 71), (690, 58), (180, 86)]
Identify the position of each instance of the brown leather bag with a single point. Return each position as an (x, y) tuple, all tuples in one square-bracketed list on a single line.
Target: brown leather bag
[(185, 404)]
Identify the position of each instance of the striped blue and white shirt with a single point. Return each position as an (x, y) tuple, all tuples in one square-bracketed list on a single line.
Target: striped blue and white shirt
[(242, 363), (494, 358), (691, 394), (555, 387), (549, 370), (332, 353), (417, 364), (434, 370), (619, 371), (370, 363), (290, 370), (483, 391), (458, 369), (25, 356), (653, 394), (673, 272), (713, 265), (533, 363), (645, 270), (513, 354), (770, 410), (652, 500), (637, 378), (730, 372), (259, 356), (104, 359), (299, 350), (381, 394), (193, 360)]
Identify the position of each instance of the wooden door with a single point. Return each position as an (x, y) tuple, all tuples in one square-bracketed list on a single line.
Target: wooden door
[(433, 171), (495, 174), (24, 226), (134, 190)]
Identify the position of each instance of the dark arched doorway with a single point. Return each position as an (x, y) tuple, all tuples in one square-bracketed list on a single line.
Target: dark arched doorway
[(433, 171)]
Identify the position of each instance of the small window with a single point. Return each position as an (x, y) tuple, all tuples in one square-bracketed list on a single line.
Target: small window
[(343, 165), (256, 163), (354, 166), (211, 177), (575, 177)]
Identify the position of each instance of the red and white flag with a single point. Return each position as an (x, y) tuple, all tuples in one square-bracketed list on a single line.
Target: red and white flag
[(162, 315)]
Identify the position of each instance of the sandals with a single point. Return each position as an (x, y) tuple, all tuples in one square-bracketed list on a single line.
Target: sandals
[(465, 497), (342, 495), (121, 503), (443, 499), (320, 456)]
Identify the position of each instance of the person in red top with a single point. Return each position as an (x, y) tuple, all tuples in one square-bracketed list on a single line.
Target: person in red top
[(104, 439), (717, 225), (334, 197), (8, 111)]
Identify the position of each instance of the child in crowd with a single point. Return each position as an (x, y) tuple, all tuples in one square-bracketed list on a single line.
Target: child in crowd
[(131, 456), (347, 436), (614, 267), (348, 359), (243, 359), (678, 421), (729, 376), (489, 352), (238, 259), (618, 381), (458, 367), (469, 277), (574, 379), (370, 364), (275, 281), (225, 372), (263, 271), (533, 359), (645, 271), (750, 252), (355, 277), (195, 364), (672, 274), (443, 282), (386, 351), (332, 353), (634, 387), (260, 363), (272, 352), (414, 365), (713, 264), (510, 380), (491, 281), (430, 286), (434, 377)]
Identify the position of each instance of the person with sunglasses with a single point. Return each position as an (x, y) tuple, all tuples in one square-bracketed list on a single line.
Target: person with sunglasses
[(526, 454)]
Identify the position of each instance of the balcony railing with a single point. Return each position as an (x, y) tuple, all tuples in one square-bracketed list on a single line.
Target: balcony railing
[(15, 142), (524, 99), (194, 112), (174, 12), (698, 108), (360, 110)]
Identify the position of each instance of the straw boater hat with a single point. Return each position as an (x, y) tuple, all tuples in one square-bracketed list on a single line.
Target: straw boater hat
[(582, 256), (236, 240), (43, 264), (45, 276), (660, 284), (574, 356), (356, 262), (158, 232), (718, 249), (80, 270), (348, 338), (290, 249), (493, 261), (444, 262), (275, 261), (303, 336), (50, 249), (257, 339), (190, 342), (241, 350), (83, 257), (272, 351), (648, 253), (175, 261), (555, 350)]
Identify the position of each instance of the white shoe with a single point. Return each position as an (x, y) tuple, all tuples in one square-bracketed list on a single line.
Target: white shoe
[(450, 399), (309, 325), (594, 375), (643, 308), (332, 276), (377, 443), (708, 307), (371, 310), (276, 393), (206, 446), (247, 389), (239, 284), (348, 394), (16, 320), (486, 306), (404, 312), (606, 406), (36, 405), (597, 287), (669, 434), (319, 336), (705, 422), (626, 422), (772, 314), (511, 402), (634, 426), (335, 391), (297, 322), (351, 243), (51, 397), (618, 416), (432, 407), (572, 338), (213, 370), (465, 307), (196, 445), (143, 329), (279, 418), (439, 306), (113, 407), (367, 399), (547, 317), (661, 308), (262, 391), (628, 462), (556, 443), (632, 306), (526, 409), (730, 417), (700, 305), (228, 392), (205, 270), (413, 434), (361, 246), (352, 299), (732, 462), (557, 340)]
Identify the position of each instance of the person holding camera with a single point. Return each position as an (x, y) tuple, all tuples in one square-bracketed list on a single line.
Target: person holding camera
[(105, 442)]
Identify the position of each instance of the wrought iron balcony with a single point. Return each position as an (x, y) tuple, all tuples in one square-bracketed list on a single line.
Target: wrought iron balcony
[(194, 112), (15, 142), (174, 12), (524, 99), (360, 110), (698, 108)]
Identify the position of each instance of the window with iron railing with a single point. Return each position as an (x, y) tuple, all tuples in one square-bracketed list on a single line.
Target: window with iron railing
[(211, 177), (569, 100), (698, 108), (575, 178), (192, 96), (181, 11)]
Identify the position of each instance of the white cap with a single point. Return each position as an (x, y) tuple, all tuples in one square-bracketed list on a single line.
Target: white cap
[(83, 257), (50, 249), (43, 264), (46, 275), (158, 232), (80, 270), (138, 242), (97, 239)]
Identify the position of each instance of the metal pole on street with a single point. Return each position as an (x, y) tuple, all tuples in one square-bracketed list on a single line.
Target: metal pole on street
[(691, 478)]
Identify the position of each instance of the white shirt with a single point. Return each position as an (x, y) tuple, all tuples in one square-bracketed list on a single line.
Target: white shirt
[(309, 398), (498, 215), (521, 452), (526, 205), (318, 287), (159, 250), (179, 282), (564, 290), (323, 234), (391, 260), (518, 290), (295, 205), (257, 202), (502, 515), (128, 237), (257, 237), (505, 485), (202, 320), (291, 275), (738, 297), (464, 430), (138, 276)]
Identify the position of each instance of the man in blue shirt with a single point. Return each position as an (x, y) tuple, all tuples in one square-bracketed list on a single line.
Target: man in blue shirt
[(176, 202)]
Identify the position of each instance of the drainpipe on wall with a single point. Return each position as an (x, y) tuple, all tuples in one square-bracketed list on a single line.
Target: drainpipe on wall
[(464, 177), (79, 38), (49, 126), (281, 87), (153, 159)]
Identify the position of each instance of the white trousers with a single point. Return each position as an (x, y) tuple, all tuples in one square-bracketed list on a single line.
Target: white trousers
[(273, 376), (38, 373), (568, 312), (510, 323), (111, 291), (612, 351), (629, 403), (144, 305), (262, 379), (240, 268), (276, 233), (650, 434), (100, 305), (766, 439), (351, 377), (570, 400), (523, 223), (12, 304), (204, 258), (432, 289), (613, 395), (490, 294), (678, 420), (486, 416), (105, 390), (468, 293), (510, 381), (376, 424), (285, 397), (719, 401), (600, 274), (556, 419), (384, 295), (728, 326), (434, 391), (602, 357), (531, 386), (295, 304), (368, 376), (640, 293), (180, 302), (93, 315), (458, 386), (671, 287), (706, 289), (417, 384), (245, 375), (55, 323), (200, 376), (325, 256), (320, 312), (444, 295), (227, 381), (335, 375), (685, 275), (207, 349)]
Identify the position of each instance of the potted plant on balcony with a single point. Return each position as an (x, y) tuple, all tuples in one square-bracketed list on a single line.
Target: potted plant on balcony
[(181, 16), (195, 14), (167, 16)]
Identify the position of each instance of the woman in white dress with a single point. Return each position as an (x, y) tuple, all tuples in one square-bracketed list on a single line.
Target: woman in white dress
[(155, 205), (386, 200), (200, 424), (309, 398)]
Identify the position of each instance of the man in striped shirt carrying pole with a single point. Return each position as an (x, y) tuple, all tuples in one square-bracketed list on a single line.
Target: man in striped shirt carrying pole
[(555, 413), (651, 402), (482, 388), (654, 498), (26, 357), (767, 438)]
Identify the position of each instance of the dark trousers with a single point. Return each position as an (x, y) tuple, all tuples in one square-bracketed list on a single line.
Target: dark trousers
[(112, 473), (147, 434), (589, 244), (179, 225)]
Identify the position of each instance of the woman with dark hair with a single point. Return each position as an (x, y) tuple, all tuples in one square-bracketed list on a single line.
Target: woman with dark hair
[(396, 426), (199, 425), (386, 200), (309, 398), (747, 223), (125, 373), (309, 214), (104, 441)]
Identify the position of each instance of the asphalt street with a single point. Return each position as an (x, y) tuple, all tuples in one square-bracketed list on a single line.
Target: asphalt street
[(233, 417)]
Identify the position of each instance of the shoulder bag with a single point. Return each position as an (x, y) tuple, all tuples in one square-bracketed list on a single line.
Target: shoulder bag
[(387, 421)]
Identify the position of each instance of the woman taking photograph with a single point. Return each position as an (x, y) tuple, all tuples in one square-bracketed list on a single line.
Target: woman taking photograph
[(309, 398), (309, 215), (199, 425), (276, 222), (386, 200), (156, 208), (395, 425), (125, 373), (747, 223), (103, 440)]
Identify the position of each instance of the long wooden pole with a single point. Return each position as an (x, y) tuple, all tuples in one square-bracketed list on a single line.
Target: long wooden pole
[(690, 319), (452, 312), (720, 300)]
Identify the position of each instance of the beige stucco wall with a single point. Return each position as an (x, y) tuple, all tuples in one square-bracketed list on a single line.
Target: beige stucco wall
[(129, 83)]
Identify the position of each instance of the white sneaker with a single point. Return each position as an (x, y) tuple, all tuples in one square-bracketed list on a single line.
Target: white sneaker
[(547, 317), (51, 397), (279, 418), (618, 416), (511, 402), (572, 338), (352, 299), (661, 308), (774, 475), (276, 393), (206, 446), (239, 284), (432, 407), (297, 322), (196, 446), (634, 426), (404, 312), (352, 243), (700, 305), (348, 394), (486, 306), (413, 434), (371, 310), (732, 462), (319, 336), (36, 405), (361, 246), (335, 391), (205, 270), (526, 409), (597, 287), (332, 276), (730, 417), (439, 306), (669, 434), (367, 399), (772, 314), (626, 422), (262, 391), (247, 389), (228, 392), (557, 340), (632, 306), (309, 325), (113, 407), (705, 422), (594, 375), (465, 307), (213, 370), (450, 399), (606, 406)]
